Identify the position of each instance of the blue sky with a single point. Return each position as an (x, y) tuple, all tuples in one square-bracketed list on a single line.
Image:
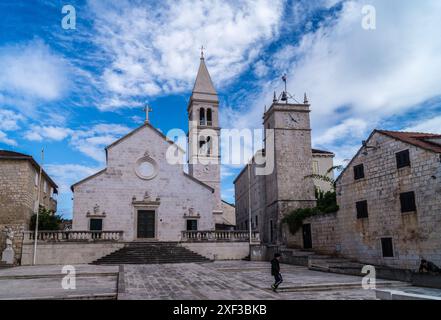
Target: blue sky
[(75, 91)]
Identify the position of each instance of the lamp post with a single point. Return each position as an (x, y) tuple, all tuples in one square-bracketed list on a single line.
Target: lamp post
[(38, 208)]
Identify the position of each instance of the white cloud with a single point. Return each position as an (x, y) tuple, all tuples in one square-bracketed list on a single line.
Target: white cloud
[(31, 71), (351, 73), (4, 139), (154, 48), (432, 125), (92, 142), (50, 133), (377, 73), (355, 128), (9, 120)]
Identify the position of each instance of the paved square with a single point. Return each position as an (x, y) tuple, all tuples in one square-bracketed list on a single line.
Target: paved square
[(238, 280)]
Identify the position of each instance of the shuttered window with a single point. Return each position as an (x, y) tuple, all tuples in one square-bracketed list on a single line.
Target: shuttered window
[(387, 247), (359, 172), (403, 159), (407, 200), (362, 209)]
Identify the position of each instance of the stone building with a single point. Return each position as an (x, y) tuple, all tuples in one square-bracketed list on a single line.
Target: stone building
[(390, 203), (322, 163), (145, 195), (287, 187), (390, 200), (19, 180)]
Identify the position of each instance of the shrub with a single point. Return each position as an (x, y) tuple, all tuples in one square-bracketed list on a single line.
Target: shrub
[(47, 220), (326, 203)]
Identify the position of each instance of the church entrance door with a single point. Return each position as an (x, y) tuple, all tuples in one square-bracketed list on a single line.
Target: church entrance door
[(146, 224)]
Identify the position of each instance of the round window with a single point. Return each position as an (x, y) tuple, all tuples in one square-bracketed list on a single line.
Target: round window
[(146, 168)]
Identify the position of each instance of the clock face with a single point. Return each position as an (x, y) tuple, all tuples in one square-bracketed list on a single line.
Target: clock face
[(291, 120)]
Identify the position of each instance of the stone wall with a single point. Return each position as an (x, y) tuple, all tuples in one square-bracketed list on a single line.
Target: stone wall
[(220, 250), (415, 235), (17, 243), (16, 196), (324, 162), (67, 253), (324, 232)]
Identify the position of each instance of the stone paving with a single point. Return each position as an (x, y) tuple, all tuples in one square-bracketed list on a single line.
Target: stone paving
[(45, 282), (237, 280), (223, 280)]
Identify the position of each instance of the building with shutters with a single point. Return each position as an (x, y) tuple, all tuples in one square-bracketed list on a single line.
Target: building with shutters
[(390, 201)]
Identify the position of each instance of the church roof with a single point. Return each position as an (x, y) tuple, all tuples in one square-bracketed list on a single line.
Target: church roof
[(203, 86), (146, 124)]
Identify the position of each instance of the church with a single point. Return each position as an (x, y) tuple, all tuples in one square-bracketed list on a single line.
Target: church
[(142, 194)]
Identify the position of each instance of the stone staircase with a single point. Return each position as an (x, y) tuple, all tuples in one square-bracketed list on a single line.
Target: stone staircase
[(3, 265), (151, 253), (327, 263)]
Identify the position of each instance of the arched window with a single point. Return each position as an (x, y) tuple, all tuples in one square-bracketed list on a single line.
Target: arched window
[(209, 117), (209, 146), (202, 116), (202, 146)]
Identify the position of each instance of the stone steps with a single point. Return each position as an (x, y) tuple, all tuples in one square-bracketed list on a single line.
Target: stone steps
[(151, 253)]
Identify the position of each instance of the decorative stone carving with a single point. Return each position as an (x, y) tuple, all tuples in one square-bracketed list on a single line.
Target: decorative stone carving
[(191, 214), (96, 212), (8, 253)]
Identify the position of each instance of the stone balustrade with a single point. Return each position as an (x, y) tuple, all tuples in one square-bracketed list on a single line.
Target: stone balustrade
[(221, 236), (72, 236)]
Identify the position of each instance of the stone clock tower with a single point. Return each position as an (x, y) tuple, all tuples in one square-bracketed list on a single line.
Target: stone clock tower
[(293, 162), (204, 134)]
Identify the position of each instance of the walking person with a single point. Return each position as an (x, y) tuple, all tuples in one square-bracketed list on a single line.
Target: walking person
[(275, 271)]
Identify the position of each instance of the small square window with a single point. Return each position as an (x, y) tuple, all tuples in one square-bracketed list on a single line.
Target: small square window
[(192, 225), (387, 247), (96, 224), (407, 200), (359, 172), (362, 209), (403, 159)]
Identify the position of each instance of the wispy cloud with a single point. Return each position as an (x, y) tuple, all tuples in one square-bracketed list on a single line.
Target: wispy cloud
[(431, 125), (31, 72), (92, 142), (4, 139), (152, 49), (49, 133)]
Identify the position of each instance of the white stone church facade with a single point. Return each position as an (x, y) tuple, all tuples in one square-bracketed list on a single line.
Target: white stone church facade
[(142, 194)]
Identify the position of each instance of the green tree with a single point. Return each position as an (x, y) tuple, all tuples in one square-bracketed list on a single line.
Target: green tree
[(47, 220)]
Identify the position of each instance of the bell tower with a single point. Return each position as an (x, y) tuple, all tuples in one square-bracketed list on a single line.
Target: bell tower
[(204, 133)]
